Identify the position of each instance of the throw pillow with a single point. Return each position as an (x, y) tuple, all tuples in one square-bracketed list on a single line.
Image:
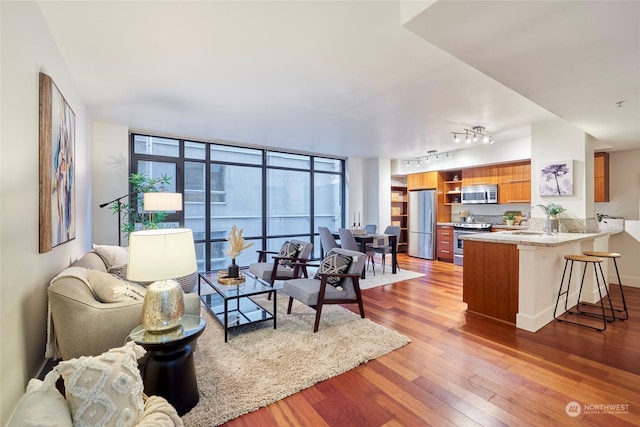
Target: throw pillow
[(289, 250), (109, 288), (112, 255), (334, 263), (119, 270), (104, 390), (41, 406)]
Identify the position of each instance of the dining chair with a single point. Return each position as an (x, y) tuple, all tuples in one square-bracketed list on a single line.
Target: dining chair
[(370, 228), (347, 241), (384, 250), (327, 241)]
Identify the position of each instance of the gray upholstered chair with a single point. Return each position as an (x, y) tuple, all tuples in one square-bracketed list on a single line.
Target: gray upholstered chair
[(347, 241), (281, 266), (384, 250), (370, 228), (318, 291), (327, 240)]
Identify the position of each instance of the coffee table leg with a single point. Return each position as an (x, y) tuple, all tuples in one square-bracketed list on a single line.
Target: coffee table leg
[(226, 319), (275, 307)]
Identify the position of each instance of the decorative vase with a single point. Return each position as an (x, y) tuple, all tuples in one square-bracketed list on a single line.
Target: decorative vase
[(233, 270), (509, 221), (553, 223)]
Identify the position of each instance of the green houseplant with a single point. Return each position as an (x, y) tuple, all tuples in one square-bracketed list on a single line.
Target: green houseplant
[(509, 217), (132, 213)]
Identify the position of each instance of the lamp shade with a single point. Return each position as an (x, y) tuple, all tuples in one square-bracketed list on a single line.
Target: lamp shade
[(162, 201), (165, 253)]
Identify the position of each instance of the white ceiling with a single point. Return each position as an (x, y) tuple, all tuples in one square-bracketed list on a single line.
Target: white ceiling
[(346, 78)]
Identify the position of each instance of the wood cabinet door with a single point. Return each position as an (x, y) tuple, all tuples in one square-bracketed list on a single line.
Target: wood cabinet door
[(422, 181), (601, 177)]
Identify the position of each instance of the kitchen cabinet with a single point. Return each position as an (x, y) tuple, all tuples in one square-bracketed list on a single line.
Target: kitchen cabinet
[(490, 288), (422, 181), (514, 182), (452, 187), (480, 175), (601, 177), (400, 214), (444, 243)]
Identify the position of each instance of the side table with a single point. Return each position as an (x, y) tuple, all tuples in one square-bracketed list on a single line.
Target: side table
[(168, 369)]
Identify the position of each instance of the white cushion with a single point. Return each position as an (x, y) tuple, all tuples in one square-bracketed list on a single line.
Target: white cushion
[(112, 255), (105, 390), (41, 406), (109, 288)]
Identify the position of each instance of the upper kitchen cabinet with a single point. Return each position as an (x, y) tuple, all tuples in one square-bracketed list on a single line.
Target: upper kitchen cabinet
[(601, 177), (452, 187), (480, 175), (514, 182), (422, 181)]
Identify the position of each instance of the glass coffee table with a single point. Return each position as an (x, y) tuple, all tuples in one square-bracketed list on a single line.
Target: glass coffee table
[(232, 304)]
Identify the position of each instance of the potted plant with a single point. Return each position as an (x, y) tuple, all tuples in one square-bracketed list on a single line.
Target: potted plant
[(554, 210), (132, 214), (509, 217)]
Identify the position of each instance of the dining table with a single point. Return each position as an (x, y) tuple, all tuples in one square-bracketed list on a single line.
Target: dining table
[(363, 239)]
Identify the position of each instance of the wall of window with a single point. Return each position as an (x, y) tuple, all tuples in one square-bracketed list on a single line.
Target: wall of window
[(273, 196)]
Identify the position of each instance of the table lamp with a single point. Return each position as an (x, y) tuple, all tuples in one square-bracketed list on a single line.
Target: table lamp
[(159, 256)]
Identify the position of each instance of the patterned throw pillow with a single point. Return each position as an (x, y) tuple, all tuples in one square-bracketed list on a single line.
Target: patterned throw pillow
[(105, 390), (334, 263), (289, 250)]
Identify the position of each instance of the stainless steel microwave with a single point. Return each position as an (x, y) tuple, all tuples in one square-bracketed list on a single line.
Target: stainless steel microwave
[(480, 194)]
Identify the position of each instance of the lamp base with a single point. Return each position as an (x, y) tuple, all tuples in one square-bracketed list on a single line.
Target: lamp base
[(163, 306)]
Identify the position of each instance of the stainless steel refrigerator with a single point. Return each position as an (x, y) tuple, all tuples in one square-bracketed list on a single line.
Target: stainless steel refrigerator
[(422, 224)]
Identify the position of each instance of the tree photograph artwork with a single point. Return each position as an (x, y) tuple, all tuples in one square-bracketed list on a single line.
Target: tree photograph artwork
[(556, 178)]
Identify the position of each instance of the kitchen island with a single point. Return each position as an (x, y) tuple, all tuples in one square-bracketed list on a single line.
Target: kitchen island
[(514, 276)]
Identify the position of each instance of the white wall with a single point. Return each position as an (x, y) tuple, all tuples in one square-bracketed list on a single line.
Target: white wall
[(557, 140), (110, 178), (27, 49)]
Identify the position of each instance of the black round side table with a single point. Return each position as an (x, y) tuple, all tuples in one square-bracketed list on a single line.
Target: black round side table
[(168, 369)]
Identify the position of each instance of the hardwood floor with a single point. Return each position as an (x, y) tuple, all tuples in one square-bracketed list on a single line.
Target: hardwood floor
[(464, 370)]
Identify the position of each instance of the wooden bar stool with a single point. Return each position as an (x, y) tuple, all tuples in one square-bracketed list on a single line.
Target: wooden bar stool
[(613, 255), (586, 260)]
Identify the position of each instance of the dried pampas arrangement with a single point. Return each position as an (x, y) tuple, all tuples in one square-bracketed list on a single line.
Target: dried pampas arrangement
[(236, 243)]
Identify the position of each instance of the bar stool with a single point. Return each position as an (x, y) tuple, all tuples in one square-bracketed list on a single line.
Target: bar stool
[(586, 260), (613, 255)]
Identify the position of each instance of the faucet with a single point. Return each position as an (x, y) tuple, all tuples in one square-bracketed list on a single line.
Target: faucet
[(547, 229)]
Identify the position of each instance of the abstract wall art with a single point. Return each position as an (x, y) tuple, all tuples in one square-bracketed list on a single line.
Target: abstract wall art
[(556, 178), (57, 167)]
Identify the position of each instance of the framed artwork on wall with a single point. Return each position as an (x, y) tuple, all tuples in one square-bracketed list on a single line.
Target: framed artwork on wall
[(556, 178), (57, 167)]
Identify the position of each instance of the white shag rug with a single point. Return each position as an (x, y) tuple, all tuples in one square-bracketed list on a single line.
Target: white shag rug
[(384, 279), (260, 365)]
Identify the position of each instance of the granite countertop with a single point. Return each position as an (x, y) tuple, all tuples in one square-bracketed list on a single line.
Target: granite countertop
[(531, 238)]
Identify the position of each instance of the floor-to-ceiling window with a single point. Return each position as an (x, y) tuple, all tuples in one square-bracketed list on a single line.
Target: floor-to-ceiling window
[(273, 196)]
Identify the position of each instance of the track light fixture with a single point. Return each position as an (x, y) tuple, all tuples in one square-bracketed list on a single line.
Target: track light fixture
[(427, 158), (477, 133)]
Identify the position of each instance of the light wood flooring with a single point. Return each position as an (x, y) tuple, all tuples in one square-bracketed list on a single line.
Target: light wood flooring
[(464, 370)]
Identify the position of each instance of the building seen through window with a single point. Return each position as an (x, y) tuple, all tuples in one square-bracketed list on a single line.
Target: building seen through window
[(272, 196)]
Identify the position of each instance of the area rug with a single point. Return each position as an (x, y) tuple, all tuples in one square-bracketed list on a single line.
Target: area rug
[(385, 279), (260, 365)]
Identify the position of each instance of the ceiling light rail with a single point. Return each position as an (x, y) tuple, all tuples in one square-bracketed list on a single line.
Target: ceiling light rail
[(431, 154), (477, 133)]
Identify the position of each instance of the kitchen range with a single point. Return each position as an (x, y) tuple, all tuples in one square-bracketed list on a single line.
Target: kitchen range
[(462, 228)]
